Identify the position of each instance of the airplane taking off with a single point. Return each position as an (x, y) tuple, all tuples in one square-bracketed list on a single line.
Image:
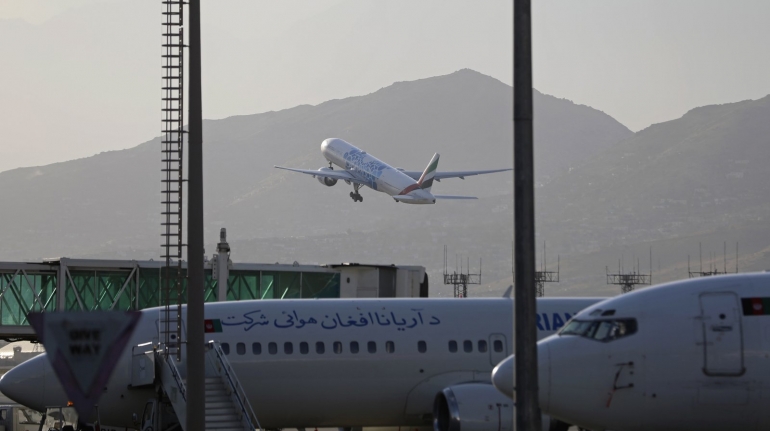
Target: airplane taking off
[(690, 355), (337, 362), (362, 169)]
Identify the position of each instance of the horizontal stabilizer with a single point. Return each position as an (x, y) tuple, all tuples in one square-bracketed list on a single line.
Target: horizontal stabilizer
[(404, 198), (453, 197)]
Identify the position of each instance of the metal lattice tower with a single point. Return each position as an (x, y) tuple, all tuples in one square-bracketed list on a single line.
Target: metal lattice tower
[(172, 178), (544, 276), (629, 280), (713, 269), (460, 280)]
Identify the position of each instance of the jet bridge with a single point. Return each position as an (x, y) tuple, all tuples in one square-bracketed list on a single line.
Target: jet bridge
[(65, 284)]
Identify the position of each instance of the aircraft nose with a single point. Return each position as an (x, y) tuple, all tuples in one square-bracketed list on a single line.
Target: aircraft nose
[(502, 376), (32, 384)]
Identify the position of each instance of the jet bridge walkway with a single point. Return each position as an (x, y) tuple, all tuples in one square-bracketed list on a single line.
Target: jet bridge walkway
[(65, 284)]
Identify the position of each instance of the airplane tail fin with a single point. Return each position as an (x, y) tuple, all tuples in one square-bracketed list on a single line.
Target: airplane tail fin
[(426, 179)]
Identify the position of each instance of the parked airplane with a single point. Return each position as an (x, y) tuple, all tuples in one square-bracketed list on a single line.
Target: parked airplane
[(338, 362), (362, 169), (688, 355)]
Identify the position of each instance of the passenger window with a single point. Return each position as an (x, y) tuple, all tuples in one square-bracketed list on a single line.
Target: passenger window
[(337, 347), (288, 348), (226, 348), (303, 348), (453, 346), (371, 347), (272, 348), (256, 348), (390, 347), (482, 346), (422, 346), (319, 347), (354, 347), (468, 346), (240, 348), (498, 346)]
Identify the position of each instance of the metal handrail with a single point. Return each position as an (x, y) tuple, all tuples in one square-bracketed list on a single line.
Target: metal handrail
[(238, 393), (177, 377)]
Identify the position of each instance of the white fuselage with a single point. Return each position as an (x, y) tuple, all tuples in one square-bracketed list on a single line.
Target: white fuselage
[(382, 361), (373, 172), (698, 358)]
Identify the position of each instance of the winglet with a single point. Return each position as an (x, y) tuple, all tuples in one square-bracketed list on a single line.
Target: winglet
[(426, 180)]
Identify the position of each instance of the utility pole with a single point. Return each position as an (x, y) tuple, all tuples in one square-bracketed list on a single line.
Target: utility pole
[(525, 373), (196, 404)]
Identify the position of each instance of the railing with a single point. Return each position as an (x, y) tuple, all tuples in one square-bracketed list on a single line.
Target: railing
[(226, 372), (177, 377)]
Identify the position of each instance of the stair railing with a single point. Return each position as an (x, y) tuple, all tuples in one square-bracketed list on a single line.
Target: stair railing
[(237, 394), (173, 385)]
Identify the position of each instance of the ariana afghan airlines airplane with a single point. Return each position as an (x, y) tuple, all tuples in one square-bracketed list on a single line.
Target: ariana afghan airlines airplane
[(690, 355), (338, 362), (362, 169)]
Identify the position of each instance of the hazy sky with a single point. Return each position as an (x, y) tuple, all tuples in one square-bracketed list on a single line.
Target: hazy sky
[(83, 76)]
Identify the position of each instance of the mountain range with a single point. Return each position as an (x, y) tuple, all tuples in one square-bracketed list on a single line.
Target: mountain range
[(602, 191)]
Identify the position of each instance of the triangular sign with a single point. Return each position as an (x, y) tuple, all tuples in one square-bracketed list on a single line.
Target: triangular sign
[(84, 347)]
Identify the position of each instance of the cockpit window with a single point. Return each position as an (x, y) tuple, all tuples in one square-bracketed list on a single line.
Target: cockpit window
[(600, 330)]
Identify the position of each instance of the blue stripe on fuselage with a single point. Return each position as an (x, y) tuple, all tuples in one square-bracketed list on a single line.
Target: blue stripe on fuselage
[(551, 321)]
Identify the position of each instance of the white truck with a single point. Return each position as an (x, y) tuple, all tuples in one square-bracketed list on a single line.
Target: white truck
[(14, 417)]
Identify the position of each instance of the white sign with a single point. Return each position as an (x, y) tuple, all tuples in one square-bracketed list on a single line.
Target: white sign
[(84, 347)]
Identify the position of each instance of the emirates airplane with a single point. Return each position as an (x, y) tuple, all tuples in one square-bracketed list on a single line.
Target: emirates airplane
[(413, 363), (361, 169), (690, 355)]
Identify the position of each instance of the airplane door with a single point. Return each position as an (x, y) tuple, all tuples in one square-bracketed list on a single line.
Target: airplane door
[(498, 348), (722, 333)]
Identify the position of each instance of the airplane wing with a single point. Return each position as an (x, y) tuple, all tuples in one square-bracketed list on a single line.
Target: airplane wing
[(337, 175), (407, 198), (453, 197), (455, 174), (403, 198)]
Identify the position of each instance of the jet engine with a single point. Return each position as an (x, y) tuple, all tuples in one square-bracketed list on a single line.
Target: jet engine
[(479, 407), (328, 182)]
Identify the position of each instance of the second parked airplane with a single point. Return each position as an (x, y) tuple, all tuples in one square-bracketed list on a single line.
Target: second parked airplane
[(362, 169)]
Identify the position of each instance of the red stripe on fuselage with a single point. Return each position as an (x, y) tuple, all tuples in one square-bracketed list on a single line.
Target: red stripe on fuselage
[(411, 188)]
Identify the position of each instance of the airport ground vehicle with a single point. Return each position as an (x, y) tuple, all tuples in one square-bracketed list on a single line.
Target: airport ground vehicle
[(19, 418)]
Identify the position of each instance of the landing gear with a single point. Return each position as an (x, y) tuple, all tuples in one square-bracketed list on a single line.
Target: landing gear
[(355, 195)]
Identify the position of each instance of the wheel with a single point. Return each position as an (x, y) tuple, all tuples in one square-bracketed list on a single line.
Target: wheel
[(360, 198)]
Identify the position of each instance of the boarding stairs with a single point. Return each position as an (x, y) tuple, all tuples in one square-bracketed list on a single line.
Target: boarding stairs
[(227, 408)]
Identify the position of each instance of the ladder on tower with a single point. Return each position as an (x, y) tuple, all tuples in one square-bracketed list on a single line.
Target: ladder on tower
[(172, 178)]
